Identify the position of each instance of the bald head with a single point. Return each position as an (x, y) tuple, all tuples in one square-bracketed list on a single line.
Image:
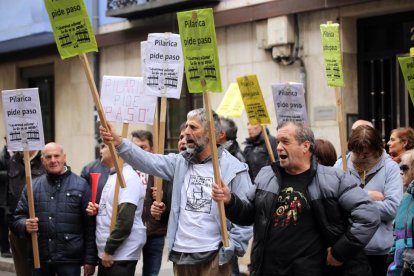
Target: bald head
[(52, 146), (362, 123), (54, 158)]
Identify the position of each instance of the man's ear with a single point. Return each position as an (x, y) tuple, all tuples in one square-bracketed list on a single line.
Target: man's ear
[(306, 146), (222, 137)]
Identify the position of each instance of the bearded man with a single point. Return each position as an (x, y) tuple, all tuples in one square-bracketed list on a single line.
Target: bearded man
[(193, 227)]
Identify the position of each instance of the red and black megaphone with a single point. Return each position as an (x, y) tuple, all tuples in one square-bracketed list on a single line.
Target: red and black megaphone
[(95, 180)]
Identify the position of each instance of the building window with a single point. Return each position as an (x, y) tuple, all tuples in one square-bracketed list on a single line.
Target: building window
[(42, 77)]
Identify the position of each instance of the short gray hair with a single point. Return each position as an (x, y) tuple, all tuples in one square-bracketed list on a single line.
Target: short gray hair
[(201, 115), (303, 133), (229, 127)]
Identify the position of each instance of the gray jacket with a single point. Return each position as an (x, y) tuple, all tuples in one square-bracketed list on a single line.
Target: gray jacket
[(387, 180), (173, 167)]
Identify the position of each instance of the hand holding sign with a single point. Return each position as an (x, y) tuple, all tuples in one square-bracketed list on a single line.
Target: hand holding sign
[(163, 69), (95, 181), (23, 116), (23, 120), (73, 35), (198, 37), (123, 100), (115, 204)]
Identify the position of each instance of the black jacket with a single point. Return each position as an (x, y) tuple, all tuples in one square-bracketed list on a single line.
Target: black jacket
[(346, 217), (256, 154), (4, 168), (156, 228), (233, 147), (17, 178), (66, 234)]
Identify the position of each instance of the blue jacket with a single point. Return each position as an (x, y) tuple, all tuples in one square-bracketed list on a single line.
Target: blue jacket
[(388, 181), (331, 193), (66, 234), (403, 230), (173, 167)]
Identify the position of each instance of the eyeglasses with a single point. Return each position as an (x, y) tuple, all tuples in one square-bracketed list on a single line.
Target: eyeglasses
[(404, 168)]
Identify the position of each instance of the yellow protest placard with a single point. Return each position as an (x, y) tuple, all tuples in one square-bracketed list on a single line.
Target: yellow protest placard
[(201, 61), (71, 27), (253, 100), (232, 103), (407, 68), (332, 54)]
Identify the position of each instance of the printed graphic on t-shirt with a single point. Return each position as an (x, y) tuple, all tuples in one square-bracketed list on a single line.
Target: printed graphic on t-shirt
[(104, 199), (199, 194), (144, 177), (290, 204)]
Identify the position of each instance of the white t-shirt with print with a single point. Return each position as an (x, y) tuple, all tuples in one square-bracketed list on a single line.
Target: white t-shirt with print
[(134, 193), (144, 178), (198, 226)]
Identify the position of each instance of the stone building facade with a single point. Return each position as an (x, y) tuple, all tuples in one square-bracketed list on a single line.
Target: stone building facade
[(241, 27)]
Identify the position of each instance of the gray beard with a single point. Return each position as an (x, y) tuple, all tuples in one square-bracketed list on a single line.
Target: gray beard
[(200, 145), (196, 150)]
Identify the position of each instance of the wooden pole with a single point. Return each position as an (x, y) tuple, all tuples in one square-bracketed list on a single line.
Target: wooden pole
[(341, 126), (117, 185), (95, 96), (30, 200), (155, 136), (268, 145), (216, 168), (161, 143), (155, 129)]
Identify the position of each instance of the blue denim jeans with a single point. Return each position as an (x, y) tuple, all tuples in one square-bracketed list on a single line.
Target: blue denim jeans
[(236, 270), (152, 256), (47, 269)]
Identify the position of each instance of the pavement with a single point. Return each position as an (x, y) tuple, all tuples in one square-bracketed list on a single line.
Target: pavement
[(7, 265)]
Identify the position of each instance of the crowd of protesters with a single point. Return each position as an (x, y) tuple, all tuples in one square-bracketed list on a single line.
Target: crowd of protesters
[(307, 216)]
